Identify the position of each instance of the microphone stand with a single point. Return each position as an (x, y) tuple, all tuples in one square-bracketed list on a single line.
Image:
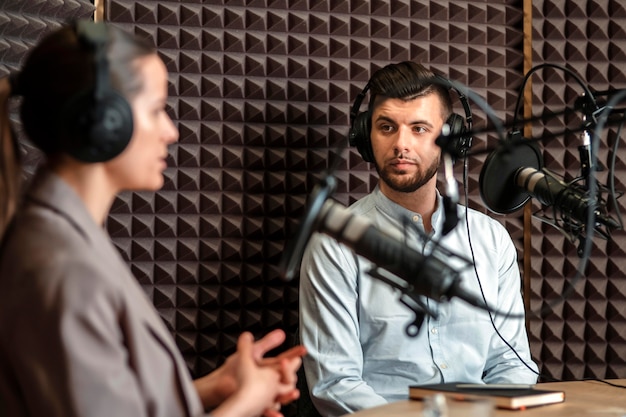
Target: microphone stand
[(411, 300), (289, 265)]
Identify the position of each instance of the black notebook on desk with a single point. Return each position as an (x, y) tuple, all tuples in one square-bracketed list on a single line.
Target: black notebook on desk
[(503, 396)]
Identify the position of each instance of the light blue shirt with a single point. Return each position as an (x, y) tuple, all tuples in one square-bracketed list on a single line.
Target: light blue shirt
[(353, 325)]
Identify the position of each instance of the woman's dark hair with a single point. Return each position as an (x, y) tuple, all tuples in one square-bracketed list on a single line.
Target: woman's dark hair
[(59, 69), (55, 71)]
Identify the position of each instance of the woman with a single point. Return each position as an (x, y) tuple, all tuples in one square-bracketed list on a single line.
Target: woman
[(78, 336)]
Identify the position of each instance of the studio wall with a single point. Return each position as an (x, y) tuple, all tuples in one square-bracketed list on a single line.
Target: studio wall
[(261, 92)]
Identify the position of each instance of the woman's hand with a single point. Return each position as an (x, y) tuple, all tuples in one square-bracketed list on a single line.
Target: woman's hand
[(249, 368)]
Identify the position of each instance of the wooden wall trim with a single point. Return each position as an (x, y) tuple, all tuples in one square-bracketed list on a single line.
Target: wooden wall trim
[(98, 15), (528, 63)]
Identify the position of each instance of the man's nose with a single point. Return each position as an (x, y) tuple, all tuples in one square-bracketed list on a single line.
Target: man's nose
[(403, 138)]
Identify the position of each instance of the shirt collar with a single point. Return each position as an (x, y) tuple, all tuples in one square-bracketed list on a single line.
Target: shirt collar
[(399, 212)]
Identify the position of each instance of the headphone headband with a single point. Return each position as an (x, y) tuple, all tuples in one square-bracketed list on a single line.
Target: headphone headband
[(94, 38), (354, 111)]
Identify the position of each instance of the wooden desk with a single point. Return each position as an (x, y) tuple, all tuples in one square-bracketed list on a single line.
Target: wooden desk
[(582, 399)]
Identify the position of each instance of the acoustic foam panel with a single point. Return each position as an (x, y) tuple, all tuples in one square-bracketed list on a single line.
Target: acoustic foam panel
[(261, 92)]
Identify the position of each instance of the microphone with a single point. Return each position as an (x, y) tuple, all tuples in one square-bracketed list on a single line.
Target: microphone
[(550, 191), (512, 174), (425, 275)]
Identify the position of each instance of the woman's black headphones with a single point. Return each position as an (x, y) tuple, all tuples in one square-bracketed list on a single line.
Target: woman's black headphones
[(97, 123), (453, 139)]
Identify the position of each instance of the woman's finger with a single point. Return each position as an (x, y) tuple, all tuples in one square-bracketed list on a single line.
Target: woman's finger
[(268, 342)]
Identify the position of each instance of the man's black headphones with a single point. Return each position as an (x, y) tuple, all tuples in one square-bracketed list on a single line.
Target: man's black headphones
[(453, 138), (97, 123)]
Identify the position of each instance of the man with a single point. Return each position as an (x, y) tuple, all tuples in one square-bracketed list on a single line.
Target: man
[(354, 325)]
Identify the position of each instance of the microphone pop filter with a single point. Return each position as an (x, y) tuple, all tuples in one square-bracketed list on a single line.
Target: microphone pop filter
[(498, 188)]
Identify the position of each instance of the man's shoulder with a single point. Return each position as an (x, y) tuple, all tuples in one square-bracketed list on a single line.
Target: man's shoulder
[(489, 228), (482, 218), (364, 205)]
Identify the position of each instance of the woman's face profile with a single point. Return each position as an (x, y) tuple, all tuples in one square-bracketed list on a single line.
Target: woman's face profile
[(140, 166)]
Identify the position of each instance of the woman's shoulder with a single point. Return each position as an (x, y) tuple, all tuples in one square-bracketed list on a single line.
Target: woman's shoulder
[(44, 252)]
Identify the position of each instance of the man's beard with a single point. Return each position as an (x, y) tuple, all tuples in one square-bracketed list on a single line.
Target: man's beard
[(407, 185)]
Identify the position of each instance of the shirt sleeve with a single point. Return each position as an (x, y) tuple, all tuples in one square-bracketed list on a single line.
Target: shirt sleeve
[(503, 364), (329, 329)]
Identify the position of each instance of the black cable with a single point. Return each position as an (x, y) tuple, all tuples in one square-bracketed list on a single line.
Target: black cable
[(497, 125), (604, 382), (572, 73), (499, 129), (493, 324)]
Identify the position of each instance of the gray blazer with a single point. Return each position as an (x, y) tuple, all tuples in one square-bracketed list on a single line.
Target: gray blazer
[(78, 335)]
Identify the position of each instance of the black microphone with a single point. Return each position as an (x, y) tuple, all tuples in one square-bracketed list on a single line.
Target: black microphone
[(425, 275), (550, 191), (512, 174)]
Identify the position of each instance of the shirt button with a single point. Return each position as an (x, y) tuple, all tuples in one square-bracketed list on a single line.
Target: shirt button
[(444, 366), (434, 330), (416, 218)]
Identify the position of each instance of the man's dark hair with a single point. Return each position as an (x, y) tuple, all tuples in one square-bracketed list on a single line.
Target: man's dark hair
[(407, 80)]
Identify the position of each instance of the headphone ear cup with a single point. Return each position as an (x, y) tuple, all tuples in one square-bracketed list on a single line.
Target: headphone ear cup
[(460, 143), (97, 129), (456, 124), (360, 136)]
